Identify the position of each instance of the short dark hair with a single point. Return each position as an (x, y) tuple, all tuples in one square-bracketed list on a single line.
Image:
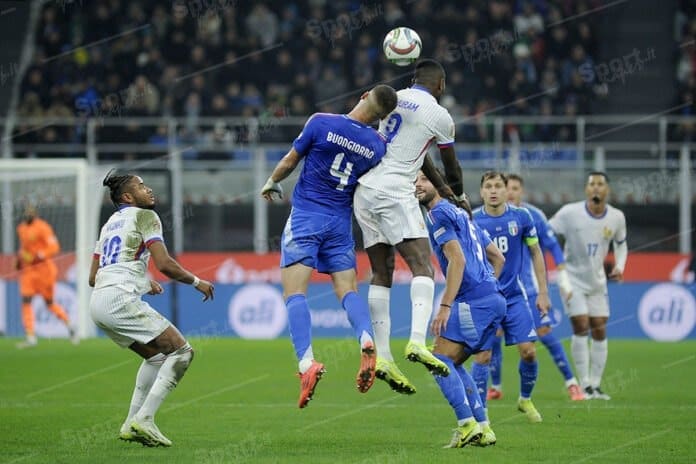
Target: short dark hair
[(385, 97), (598, 173), (428, 71), (116, 184), (516, 177), (493, 174)]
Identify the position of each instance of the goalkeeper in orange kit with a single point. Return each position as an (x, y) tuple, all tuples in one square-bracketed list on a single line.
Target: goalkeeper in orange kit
[(38, 273)]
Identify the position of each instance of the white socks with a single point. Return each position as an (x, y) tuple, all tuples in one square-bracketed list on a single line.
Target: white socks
[(598, 359), (422, 296), (172, 370), (581, 356), (143, 382), (378, 301)]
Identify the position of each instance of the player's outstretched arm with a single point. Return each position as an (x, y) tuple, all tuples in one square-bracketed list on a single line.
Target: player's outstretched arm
[(172, 269), (282, 170), (496, 258), (542, 302)]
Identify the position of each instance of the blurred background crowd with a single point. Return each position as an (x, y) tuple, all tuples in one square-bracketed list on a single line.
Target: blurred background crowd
[(219, 58)]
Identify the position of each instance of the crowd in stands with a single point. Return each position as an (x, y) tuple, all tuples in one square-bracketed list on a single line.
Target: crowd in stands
[(222, 58), (685, 51)]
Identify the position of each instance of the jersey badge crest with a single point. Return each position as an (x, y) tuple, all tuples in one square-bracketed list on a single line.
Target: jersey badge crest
[(607, 233), (513, 229)]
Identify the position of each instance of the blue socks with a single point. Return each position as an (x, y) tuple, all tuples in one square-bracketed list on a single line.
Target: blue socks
[(472, 394), (300, 323), (558, 354), (358, 314), (528, 375), (479, 372), (496, 366), (453, 389)]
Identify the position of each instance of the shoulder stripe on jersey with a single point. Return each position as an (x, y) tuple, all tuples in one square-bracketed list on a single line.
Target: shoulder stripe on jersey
[(619, 242), (153, 240)]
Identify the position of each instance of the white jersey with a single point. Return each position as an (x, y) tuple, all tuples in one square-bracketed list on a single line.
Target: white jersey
[(411, 128), (122, 249), (587, 242)]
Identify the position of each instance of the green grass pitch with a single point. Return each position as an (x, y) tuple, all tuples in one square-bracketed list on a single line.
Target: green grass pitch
[(64, 404)]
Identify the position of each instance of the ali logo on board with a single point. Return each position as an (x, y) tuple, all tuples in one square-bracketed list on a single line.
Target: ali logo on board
[(257, 311), (667, 312)]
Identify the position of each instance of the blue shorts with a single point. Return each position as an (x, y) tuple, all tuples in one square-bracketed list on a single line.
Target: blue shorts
[(474, 323), (518, 322), (549, 320), (322, 242)]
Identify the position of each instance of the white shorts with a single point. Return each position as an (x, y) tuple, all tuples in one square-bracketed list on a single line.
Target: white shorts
[(584, 304), (386, 219), (125, 317)]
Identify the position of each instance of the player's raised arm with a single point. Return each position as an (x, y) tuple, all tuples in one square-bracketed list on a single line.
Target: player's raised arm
[(300, 146), (282, 170)]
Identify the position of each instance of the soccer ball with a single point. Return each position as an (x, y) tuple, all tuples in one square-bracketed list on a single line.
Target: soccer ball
[(402, 46)]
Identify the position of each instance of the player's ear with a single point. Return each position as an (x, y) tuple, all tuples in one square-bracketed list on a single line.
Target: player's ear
[(127, 197), (365, 95)]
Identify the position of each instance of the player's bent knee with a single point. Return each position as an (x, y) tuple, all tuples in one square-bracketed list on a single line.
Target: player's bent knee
[(483, 357), (382, 279), (527, 352)]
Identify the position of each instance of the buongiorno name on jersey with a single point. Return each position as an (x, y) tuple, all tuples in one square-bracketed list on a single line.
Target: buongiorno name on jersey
[(351, 145)]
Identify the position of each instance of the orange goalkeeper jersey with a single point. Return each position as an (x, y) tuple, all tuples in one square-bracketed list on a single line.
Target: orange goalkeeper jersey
[(37, 245)]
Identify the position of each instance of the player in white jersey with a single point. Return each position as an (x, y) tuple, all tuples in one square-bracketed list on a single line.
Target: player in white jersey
[(390, 217), (588, 227), (119, 277)]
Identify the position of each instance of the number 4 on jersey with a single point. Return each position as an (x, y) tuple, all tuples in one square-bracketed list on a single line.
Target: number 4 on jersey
[(343, 175)]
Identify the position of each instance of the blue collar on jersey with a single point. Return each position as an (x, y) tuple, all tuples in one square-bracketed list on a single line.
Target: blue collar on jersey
[(355, 121), (420, 87), (483, 210), (589, 213), (123, 206)]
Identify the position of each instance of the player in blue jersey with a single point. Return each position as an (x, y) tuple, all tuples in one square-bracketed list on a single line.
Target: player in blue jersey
[(337, 149), (471, 309), (543, 323), (512, 229)]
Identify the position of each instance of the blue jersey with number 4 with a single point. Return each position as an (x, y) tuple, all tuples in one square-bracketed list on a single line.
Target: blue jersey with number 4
[(337, 150), (512, 231)]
